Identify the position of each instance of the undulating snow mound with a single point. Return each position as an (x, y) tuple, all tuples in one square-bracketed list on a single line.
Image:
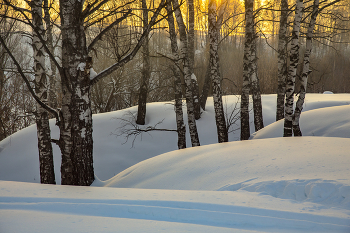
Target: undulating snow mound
[(279, 185), (112, 155), (313, 169), (325, 122)]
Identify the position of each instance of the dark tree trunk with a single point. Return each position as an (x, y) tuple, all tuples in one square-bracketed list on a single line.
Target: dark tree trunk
[(303, 78), (205, 89), (181, 128), (141, 113), (282, 60), (294, 59), (47, 173)]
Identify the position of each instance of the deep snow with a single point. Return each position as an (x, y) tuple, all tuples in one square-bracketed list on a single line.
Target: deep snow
[(266, 185)]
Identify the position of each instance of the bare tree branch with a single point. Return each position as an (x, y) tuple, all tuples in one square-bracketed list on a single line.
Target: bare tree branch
[(129, 128), (104, 31), (46, 107), (131, 55)]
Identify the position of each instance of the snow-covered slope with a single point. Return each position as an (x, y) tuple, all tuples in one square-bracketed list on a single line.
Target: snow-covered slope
[(309, 169), (264, 185), (112, 155), (325, 122)]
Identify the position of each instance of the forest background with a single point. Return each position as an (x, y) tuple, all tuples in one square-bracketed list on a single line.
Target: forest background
[(330, 58)]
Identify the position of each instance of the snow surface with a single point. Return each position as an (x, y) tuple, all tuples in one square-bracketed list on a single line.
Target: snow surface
[(266, 185), (81, 66), (93, 73), (193, 77)]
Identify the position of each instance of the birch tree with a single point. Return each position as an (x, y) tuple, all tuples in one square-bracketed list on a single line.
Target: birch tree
[(306, 65), (214, 25), (191, 48), (247, 69), (254, 79), (181, 128), (74, 119), (53, 77), (292, 71), (306, 70), (183, 51), (282, 60), (47, 173)]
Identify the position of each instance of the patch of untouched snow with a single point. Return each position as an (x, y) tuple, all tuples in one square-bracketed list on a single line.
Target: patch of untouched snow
[(271, 166), (325, 122)]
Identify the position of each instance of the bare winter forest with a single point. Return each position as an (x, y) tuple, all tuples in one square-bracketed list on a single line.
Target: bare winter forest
[(69, 59)]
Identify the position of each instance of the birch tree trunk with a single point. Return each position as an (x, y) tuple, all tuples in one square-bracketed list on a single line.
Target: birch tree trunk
[(141, 113), (254, 80), (181, 128), (213, 31), (247, 70), (53, 90), (76, 124), (187, 75), (75, 117), (306, 70), (47, 173), (282, 60), (294, 59), (194, 84)]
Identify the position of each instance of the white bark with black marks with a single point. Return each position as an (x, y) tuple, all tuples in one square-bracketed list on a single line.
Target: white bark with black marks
[(47, 173), (254, 83), (187, 75), (292, 72), (213, 32), (75, 117), (306, 70), (247, 69), (282, 60), (181, 128), (76, 125), (191, 42)]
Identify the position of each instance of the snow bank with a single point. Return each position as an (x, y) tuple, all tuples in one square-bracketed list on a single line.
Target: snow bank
[(112, 155), (310, 169), (268, 185), (325, 122)]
